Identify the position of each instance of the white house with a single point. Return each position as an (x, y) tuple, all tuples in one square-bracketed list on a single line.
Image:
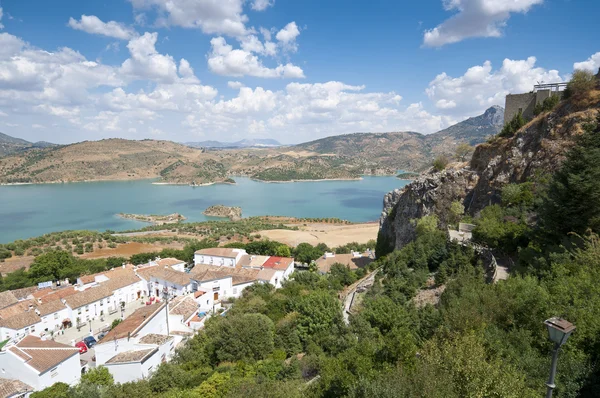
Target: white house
[(19, 325), (219, 256), (181, 310), (170, 262), (31, 317), (160, 279), (40, 363), (89, 304), (135, 347), (52, 314)]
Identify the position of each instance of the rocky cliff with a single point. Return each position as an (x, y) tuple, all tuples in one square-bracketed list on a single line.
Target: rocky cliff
[(539, 147)]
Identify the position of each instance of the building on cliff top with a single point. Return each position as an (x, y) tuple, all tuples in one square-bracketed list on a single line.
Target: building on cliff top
[(526, 102)]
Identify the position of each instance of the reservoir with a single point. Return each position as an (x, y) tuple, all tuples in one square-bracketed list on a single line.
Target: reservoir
[(33, 210)]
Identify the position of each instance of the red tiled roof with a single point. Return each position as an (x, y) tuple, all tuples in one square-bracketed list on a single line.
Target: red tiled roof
[(13, 388), (133, 322), (42, 355), (278, 263)]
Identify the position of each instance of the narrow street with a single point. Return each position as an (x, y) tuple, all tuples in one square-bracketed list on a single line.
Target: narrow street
[(348, 294)]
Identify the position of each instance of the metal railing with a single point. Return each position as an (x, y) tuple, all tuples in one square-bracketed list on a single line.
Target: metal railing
[(550, 86)]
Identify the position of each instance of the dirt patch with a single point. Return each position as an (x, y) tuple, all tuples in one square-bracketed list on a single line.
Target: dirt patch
[(429, 295), (15, 263), (129, 249), (331, 235)]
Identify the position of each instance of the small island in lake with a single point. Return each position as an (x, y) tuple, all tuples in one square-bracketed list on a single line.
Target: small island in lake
[(153, 218), (407, 176), (233, 213)]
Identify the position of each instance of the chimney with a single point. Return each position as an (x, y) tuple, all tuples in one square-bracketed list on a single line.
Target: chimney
[(37, 312)]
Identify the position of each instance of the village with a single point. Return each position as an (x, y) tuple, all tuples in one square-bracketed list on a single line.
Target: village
[(128, 319)]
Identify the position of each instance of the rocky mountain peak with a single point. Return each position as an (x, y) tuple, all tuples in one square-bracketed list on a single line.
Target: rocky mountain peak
[(494, 115)]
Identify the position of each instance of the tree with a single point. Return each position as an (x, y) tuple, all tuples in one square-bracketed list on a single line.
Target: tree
[(581, 82), (462, 151), (440, 163), (572, 203), (513, 126), (56, 390), (242, 337), (283, 251), (457, 210), (99, 376)]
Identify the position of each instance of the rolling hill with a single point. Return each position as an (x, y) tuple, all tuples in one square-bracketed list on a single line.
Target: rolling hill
[(10, 145), (343, 156)]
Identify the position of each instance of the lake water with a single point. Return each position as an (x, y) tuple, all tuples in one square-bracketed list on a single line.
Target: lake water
[(33, 210)]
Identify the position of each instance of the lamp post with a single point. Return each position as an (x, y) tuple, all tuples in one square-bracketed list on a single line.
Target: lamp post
[(559, 331)]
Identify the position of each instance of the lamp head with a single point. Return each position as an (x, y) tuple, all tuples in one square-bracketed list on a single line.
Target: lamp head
[(559, 329)]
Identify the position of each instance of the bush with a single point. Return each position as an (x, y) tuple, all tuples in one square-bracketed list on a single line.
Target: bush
[(546, 106), (581, 82), (440, 163), (513, 126)]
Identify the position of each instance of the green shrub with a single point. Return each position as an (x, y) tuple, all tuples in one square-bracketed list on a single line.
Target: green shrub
[(440, 163), (581, 82), (546, 106), (513, 126)]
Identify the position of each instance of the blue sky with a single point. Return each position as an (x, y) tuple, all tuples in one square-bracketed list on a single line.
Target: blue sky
[(191, 70)]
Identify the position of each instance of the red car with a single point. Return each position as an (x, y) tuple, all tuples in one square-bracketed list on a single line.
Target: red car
[(82, 347)]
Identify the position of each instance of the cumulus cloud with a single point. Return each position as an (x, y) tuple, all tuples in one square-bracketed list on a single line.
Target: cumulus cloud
[(211, 16), (288, 34), (261, 5), (146, 63), (92, 24), (235, 85), (227, 61), (475, 18), (591, 64), (481, 87), (1, 13)]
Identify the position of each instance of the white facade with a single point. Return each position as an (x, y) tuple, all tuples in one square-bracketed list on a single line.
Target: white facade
[(132, 371), (216, 289), (53, 322), (219, 260), (7, 333), (13, 367), (129, 293), (92, 310)]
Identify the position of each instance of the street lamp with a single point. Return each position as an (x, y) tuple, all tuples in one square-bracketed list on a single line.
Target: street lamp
[(559, 331)]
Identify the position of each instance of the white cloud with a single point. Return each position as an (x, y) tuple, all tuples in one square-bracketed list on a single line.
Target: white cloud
[(146, 63), (287, 36), (475, 18), (261, 5), (227, 61), (211, 16), (481, 87), (1, 13), (37, 126), (592, 64), (92, 24), (235, 85)]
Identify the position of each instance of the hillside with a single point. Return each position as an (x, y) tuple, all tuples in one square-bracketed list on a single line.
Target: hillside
[(247, 143), (10, 145), (538, 148), (410, 150), (340, 157)]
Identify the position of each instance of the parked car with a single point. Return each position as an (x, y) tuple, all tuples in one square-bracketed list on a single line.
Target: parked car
[(90, 341), (101, 335), (82, 347)]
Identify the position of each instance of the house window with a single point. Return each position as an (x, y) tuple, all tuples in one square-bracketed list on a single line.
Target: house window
[(54, 372), (33, 329), (56, 315), (235, 290), (79, 311), (87, 308), (26, 330), (101, 303)]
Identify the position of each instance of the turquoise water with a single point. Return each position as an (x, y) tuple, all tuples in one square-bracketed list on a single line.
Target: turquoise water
[(33, 210)]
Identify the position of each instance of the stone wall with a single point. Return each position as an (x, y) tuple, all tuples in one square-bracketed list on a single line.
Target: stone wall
[(525, 102)]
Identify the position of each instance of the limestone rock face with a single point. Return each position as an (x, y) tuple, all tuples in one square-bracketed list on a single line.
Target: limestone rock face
[(538, 148), (427, 195)]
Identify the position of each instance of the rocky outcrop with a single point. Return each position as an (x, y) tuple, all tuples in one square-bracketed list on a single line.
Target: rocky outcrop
[(427, 195), (233, 213), (539, 147)]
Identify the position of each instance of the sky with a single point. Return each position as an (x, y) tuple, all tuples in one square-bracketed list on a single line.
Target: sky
[(195, 70)]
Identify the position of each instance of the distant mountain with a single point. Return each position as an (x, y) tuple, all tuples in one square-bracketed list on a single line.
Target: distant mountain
[(247, 143), (10, 145), (409, 150)]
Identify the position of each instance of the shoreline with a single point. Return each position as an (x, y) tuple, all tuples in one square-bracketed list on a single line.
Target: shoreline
[(323, 179)]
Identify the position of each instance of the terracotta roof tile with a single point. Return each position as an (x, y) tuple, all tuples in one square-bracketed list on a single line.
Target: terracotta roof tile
[(278, 263), (132, 324), (166, 274), (10, 388), (50, 307), (132, 356), (88, 296), (42, 355), (252, 261), (55, 294), (153, 338), (324, 264), (168, 262), (24, 292), (220, 252), (7, 298), (21, 320), (185, 306)]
